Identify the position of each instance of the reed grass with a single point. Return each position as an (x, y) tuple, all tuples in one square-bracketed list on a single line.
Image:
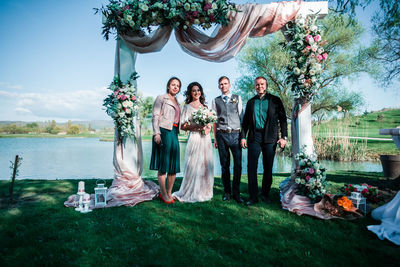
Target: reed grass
[(334, 144)]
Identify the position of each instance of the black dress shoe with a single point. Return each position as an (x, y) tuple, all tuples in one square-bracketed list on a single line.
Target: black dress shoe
[(238, 199), (251, 202), (226, 197), (265, 199)]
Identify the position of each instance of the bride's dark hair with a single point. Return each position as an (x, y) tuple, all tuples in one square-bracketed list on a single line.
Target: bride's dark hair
[(188, 93)]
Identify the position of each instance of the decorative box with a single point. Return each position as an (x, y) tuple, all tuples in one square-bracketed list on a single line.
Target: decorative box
[(359, 201)]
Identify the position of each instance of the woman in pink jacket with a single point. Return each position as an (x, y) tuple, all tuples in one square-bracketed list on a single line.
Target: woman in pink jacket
[(165, 150)]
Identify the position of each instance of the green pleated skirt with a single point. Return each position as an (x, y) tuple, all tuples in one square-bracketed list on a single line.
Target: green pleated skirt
[(165, 157)]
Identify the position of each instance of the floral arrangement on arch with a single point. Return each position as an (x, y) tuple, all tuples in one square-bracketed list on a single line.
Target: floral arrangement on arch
[(307, 56), (124, 16), (122, 106), (366, 190), (310, 176)]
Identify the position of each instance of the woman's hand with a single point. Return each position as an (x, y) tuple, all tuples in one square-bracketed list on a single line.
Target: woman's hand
[(157, 139)]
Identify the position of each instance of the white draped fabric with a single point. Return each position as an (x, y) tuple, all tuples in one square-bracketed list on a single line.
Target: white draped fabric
[(389, 214)]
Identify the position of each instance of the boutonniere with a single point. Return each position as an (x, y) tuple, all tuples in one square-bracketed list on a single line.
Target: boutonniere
[(234, 100)]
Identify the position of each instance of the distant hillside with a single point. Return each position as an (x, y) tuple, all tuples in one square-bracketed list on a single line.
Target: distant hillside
[(366, 125)]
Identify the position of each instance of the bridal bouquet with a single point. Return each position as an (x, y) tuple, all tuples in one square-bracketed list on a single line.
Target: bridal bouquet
[(204, 116), (306, 49), (310, 177), (366, 190), (122, 106)]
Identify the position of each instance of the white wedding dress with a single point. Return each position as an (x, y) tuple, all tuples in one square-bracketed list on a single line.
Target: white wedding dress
[(389, 214), (198, 175)]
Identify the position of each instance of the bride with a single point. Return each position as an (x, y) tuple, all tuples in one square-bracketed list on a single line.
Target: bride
[(198, 174)]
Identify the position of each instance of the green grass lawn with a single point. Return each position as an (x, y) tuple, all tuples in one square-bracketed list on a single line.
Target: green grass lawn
[(39, 230)]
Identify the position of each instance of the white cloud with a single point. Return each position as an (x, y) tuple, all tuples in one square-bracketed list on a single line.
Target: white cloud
[(75, 105), (22, 111), (5, 85)]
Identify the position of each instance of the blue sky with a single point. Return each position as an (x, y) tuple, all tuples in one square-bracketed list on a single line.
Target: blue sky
[(55, 64)]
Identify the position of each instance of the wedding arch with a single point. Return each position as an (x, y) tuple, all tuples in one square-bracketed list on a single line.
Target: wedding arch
[(243, 21)]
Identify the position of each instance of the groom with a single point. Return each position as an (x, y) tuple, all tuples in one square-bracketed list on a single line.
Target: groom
[(262, 118), (227, 137)]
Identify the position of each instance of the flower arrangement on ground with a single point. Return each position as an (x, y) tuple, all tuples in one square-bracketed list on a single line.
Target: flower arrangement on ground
[(306, 49), (310, 176), (122, 106), (366, 190), (135, 15), (339, 206)]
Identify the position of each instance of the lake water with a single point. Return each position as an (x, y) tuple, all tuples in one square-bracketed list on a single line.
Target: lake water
[(84, 158)]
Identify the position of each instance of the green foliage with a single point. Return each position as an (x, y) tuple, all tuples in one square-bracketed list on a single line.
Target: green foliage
[(39, 230), (53, 128), (386, 28), (74, 129), (14, 129), (347, 59)]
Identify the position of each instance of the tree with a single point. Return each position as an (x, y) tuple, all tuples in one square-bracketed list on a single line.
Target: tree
[(386, 29), (53, 128), (145, 107), (74, 129), (267, 57)]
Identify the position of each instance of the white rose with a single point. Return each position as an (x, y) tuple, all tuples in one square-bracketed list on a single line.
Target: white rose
[(128, 111), (214, 6), (296, 71), (121, 114), (312, 72), (125, 104), (196, 21), (314, 28)]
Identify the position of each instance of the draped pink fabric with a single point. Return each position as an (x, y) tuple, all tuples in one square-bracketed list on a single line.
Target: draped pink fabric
[(128, 188), (253, 20)]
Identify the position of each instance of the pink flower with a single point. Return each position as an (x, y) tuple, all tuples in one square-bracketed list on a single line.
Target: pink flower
[(123, 97), (118, 96), (365, 191), (325, 56), (308, 47), (308, 177), (314, 49), (133, 98), (207, 7), (319, 57), (311, 171), (308, 38), (212, 19), (195, 13), (317, 38)]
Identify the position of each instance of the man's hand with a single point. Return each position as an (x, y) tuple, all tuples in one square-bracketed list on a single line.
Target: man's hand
[(243, 143), (282, 143)]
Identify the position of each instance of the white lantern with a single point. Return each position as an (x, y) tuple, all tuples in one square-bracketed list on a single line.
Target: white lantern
[(86, 202), (100, 194), (81, 192), (359, 201)]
